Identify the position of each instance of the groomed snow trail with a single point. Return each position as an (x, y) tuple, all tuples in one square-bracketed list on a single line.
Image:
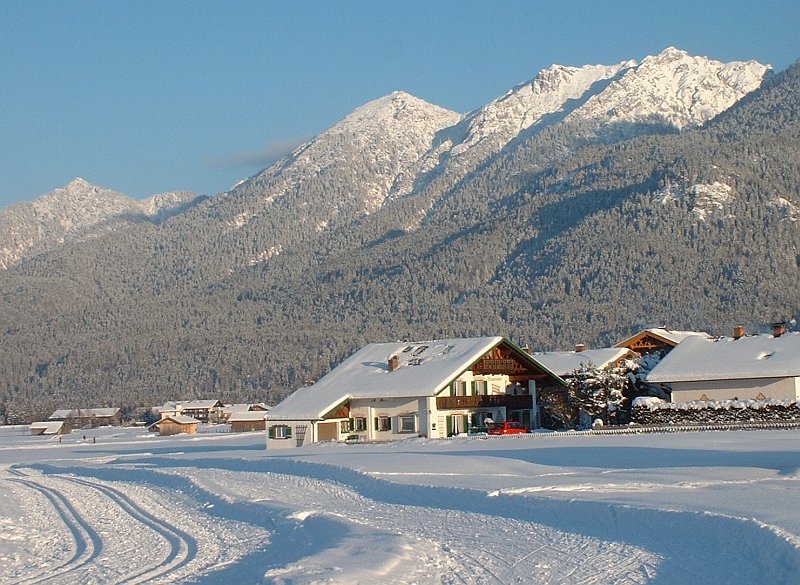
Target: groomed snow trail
[(89, 531)]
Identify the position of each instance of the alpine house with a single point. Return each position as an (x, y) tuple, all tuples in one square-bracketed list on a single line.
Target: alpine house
[(435, 389), (757, 367)]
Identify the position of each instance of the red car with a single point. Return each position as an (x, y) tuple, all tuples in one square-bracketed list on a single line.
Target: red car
[(507, 428)]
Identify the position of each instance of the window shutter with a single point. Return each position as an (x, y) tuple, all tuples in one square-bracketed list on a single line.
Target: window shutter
[(389, 420), (376, 423), (271, 432), (288, 432)]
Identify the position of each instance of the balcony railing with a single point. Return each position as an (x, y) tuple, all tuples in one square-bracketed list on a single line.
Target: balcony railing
[(484, 401)]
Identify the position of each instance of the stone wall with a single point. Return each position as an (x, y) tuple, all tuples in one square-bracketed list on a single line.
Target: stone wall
[(722, 412)]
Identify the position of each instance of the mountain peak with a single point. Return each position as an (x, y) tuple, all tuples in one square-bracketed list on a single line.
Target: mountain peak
[(79, 189), (673, 88), (77, 183), (671, 53), (397, 105)]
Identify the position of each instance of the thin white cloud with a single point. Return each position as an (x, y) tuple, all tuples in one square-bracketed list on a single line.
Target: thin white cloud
[(262, 158)]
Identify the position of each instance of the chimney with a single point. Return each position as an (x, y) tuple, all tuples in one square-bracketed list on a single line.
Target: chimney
[(778, 329), (394, 361), (738, 332), (579, 347)]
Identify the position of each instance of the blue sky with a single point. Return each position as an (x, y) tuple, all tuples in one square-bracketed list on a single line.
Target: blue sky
[(145, 97)]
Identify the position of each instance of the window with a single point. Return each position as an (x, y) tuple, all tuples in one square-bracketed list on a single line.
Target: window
[(280, 432), (459, 388), (480, 387), (344, 426), (407, 423), (360, 423), (383, 423)]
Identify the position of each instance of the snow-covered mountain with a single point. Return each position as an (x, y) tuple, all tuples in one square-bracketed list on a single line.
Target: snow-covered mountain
[(545, 100), (395, 146), (673, 88), (77, 211), (397, 140), (348, 171), (378, 146)]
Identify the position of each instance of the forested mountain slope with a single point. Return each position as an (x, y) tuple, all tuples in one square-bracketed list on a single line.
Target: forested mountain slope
[(77, 212), (560, 235)]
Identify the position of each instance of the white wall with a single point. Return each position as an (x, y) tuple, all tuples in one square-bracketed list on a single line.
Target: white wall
[(777, 388), (392, 408), (290, 443)]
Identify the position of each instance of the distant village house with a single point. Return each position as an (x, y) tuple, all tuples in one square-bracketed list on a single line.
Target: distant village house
[(175, 424), (88, 417), (206, 411)]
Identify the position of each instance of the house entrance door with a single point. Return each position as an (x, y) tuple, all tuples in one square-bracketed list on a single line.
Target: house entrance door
[(457, 423)]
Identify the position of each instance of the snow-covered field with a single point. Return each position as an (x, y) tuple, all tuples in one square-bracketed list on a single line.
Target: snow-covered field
[(712, 507)]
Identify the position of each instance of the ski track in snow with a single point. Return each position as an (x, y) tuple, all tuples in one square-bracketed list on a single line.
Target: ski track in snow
[(120, 535), (141, 517), (87, 545)]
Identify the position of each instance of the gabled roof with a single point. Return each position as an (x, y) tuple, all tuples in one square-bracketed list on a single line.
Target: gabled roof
[(83, 413), (244, 407), (564, 363), (423, 369), (48, 427), (666, 336), (173, 406), (247, 415), (177, 418), (758, 356)]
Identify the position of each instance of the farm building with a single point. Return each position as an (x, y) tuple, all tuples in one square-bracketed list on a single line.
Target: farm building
[(175, 424)]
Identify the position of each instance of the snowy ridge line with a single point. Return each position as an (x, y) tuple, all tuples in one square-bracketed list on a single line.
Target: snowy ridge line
[(744, 426)]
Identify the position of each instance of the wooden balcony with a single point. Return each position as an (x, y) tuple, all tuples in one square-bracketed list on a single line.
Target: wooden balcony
[(484, 401)]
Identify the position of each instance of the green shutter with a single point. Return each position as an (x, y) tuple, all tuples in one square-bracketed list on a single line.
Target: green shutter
[(288, 432), (272, 432)]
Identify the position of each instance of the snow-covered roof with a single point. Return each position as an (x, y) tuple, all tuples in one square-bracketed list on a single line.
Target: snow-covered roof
[(174, 406), (244, 407), (83, 413), (699, 358), (246, 415), (48, 427), (230, 408), (565, 363), (181, 419), (423, 369), (667, 335)]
